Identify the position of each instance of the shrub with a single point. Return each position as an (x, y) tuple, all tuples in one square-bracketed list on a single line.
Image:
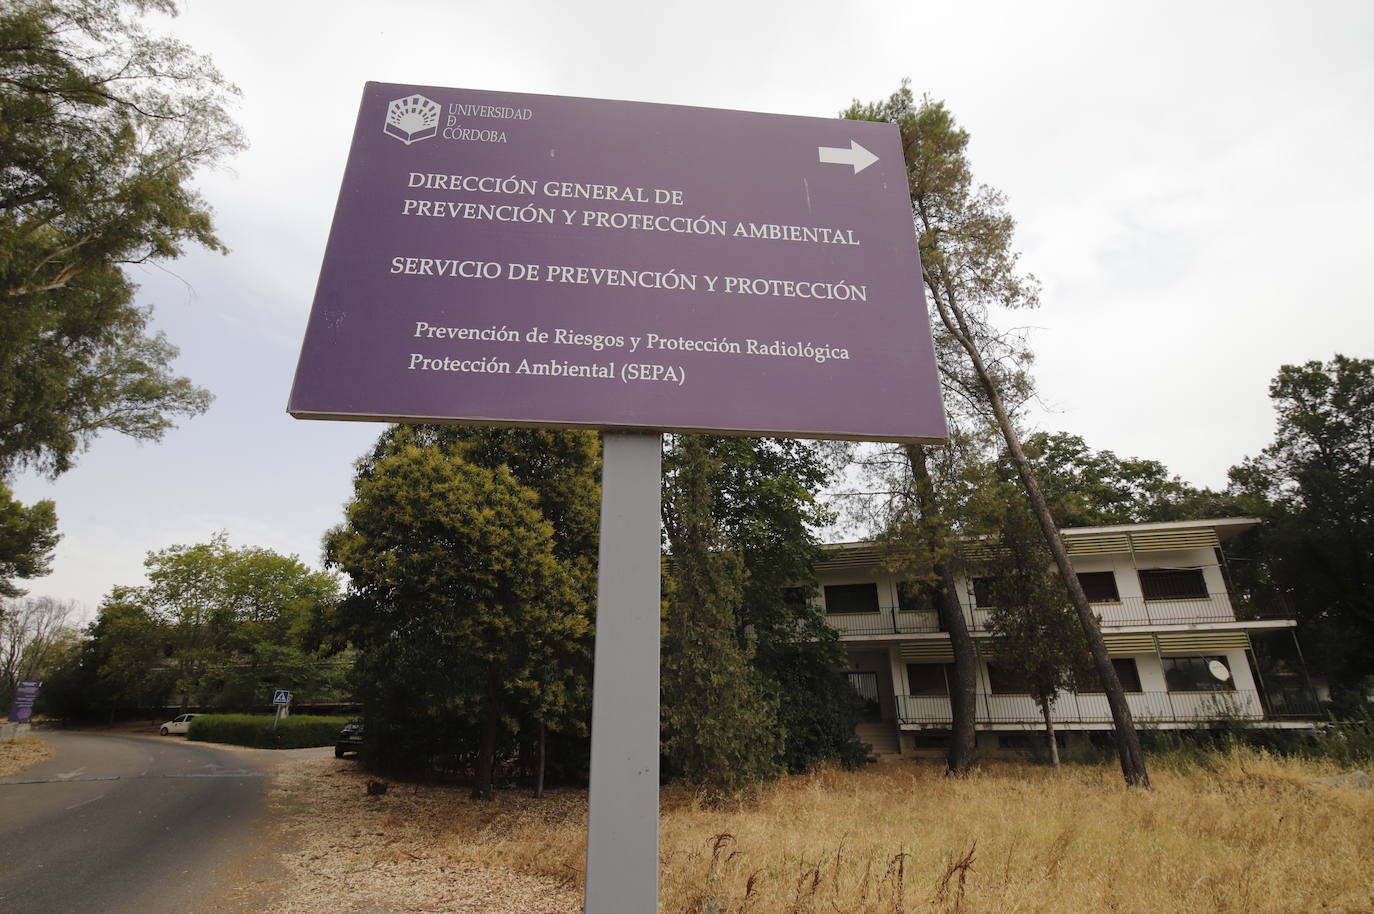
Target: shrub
[(1350, 742), (257, 730)]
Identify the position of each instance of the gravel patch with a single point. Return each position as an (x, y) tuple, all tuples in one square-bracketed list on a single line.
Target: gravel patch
[(18, 755), (411, 849)]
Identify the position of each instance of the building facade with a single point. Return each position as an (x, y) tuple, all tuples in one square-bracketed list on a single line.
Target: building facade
[(1183, 646)]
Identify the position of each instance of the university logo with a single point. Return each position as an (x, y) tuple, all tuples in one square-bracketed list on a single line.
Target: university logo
[(412, 119)]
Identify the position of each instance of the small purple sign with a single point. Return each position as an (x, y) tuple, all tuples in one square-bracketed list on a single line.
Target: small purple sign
[(21, 709), (509, 259)]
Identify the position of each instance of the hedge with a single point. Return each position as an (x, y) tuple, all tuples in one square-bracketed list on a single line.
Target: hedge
[(257, 731)]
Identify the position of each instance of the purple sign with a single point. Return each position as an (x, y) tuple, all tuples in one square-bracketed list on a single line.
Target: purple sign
[(510, 259), (21, 709)]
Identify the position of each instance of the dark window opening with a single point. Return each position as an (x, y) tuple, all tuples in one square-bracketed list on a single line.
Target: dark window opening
[(985, 590), (1173, 584), (1198, 674), (851, 598), (1087, 681), (794, 596), (1006, 682), (929, 678), (918, 596), (1099, 586)]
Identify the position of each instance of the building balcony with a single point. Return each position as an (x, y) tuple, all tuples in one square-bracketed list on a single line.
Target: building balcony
[(1126, 611), (1147, 708), (1140, 611), (888, 620)]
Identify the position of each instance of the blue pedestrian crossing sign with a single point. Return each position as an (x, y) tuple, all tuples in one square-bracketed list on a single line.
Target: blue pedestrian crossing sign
[(281, 697)]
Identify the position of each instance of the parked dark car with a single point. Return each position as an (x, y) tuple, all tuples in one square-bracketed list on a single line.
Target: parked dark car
[(350, 738)]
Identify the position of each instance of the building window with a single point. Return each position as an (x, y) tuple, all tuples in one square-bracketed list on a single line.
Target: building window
[(1173, 584), (794, 596), (985, 591), (929, 678), (865, 685), (1086, 680), (1100, 586), (918, 597), (851, 598), (1198, 674), (1004, 682)]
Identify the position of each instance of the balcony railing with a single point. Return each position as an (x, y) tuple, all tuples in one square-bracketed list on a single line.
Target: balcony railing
[(1139, 611), (893, 620), (1289, 702), (889, 620), (1146, 708)]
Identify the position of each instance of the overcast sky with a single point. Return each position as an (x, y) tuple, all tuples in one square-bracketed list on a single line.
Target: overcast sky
[(1192, 185)]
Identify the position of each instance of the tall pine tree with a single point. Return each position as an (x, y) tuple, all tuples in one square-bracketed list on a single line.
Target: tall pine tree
[(720, 725)]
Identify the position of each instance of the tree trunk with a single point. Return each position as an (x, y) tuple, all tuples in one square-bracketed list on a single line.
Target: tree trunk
[(963, 745), (486, 752), (1046, 708), (963, 695), (539, 764), (1128, 749)]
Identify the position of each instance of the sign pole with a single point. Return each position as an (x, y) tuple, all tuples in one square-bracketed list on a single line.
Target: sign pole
[(622, 828)]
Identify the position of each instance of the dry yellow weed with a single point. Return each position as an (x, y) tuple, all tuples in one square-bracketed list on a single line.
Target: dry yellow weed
[(18, 755), (1250, 833)]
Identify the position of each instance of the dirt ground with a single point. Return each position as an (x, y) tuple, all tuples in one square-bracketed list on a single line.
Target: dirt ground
[(339, 849), (1226, 837), (1231, 836), (20, 754)]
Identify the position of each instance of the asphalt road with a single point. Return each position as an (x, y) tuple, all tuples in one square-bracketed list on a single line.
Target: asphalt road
[(125, 824)]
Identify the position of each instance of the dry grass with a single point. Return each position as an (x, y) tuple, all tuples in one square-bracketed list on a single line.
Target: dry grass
[(416, 849), (1250, 833), (17, 755)]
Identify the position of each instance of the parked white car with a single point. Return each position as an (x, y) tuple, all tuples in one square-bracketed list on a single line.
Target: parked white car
[(177, 724)]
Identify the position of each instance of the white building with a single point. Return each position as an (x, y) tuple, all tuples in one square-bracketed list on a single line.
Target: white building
[(1180, 644)]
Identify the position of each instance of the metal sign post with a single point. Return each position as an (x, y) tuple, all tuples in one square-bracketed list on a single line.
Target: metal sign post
[(281, 699), (622, 829)]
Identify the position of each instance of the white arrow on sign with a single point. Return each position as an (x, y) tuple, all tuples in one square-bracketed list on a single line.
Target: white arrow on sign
[(855, 155)]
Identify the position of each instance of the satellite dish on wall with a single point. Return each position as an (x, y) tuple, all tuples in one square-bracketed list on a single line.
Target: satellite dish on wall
[(1219, 670)]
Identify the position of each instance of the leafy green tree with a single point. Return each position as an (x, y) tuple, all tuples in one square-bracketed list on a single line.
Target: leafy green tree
[(720, 726), (460, 605), (1036, 636), (918, 533), (119, 664), (965, 239), (128, 649), (1314, 488), (105, 126), (764, 509), (919, 507), (28, 536), (562, 468), (1088, 488), (237, 622), (185, 594)]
